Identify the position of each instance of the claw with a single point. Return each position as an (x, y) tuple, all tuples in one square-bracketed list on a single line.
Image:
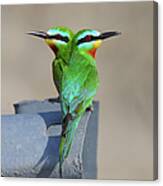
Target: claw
[(53, 100), (90, 109)]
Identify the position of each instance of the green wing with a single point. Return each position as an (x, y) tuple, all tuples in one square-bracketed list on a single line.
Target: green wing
[(79, 85), (58, 67)]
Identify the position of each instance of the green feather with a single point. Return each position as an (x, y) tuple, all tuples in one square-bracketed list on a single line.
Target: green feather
[(75, 76), (78, 88), (62, 55), (58, 68)]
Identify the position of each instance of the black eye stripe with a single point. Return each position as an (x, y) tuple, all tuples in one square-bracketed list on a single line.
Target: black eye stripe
[(85, 39), (59, 37)]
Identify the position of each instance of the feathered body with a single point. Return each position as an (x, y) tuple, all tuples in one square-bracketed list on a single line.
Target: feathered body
[(75, 76), (79, 85)]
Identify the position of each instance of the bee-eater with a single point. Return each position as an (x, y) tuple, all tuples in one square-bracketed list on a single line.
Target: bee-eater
[(59, 40), (79, 84)]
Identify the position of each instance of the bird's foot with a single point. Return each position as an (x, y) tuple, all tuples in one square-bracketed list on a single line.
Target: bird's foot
[(90, 109), (53, 100), (67, 118)]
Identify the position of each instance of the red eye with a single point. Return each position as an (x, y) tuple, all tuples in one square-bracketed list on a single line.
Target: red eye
[(59, 37), (88, 38)]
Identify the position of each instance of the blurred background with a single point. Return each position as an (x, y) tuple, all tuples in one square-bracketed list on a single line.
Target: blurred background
[(125, 65)]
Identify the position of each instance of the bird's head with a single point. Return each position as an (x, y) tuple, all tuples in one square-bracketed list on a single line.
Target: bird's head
[(58, 39), (88, 40)]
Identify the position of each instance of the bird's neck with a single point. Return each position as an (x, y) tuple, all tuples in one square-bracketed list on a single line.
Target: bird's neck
[(84, 56), (54, 48), (92, 52), (89, 55), (64, 55)]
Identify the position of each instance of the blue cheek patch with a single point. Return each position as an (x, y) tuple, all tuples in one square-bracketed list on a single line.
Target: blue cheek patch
[(59, 42), (86, 45)]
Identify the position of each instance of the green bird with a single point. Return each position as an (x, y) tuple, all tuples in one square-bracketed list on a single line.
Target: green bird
[(59, 40), (79, 85)]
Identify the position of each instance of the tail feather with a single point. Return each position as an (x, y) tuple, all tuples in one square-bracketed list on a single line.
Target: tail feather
[(67, 139)]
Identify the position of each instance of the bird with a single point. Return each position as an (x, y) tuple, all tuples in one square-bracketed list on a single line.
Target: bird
[(59, 40), (79, 85)]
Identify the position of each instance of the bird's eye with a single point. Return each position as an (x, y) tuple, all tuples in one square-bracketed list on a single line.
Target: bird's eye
[(59, 37), (88, 38)]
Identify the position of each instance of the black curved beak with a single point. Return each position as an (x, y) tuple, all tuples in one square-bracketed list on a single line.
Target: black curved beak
[(106, 35), (40, 34)]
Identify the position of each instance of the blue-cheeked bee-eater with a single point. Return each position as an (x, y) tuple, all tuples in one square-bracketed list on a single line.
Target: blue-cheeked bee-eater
[(75, 76)]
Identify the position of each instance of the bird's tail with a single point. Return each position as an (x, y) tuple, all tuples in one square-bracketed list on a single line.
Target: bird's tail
[(68, 131)]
